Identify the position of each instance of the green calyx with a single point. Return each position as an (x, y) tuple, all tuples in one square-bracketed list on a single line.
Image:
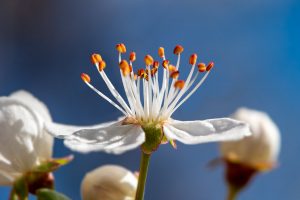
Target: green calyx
[(154, 136)]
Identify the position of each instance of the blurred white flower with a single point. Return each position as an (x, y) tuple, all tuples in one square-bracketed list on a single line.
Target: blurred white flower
[(148, 108), (261, 149), (109, 182), (24, 143)]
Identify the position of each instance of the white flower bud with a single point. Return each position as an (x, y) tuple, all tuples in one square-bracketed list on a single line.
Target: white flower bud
[(261, 149), (24, 143), (109, 182)]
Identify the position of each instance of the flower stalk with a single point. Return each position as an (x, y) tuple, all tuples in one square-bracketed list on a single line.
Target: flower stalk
[(145, 160), (232, 193)]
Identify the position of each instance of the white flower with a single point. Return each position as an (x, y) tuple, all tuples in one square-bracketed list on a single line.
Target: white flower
[(149, 104), (261, 149), (24, 143), (109, 182)]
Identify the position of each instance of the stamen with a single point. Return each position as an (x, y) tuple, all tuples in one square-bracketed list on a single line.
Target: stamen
[(148, 60), (161, 52), (201, 67), (85, 77), (171, 68), (209, 66), (174, 74), (101, 65), (178, 50), (121, 48), (155, 64), (125, 67), (193, 59), (179, 84), (132, 57), (95, 58), (165, 64)]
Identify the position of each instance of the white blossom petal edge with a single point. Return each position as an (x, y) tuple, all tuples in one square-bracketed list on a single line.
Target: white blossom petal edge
[(24, 143), (148, 103)]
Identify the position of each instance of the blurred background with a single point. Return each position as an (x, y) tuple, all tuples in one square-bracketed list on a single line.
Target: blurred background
[(45, 45)]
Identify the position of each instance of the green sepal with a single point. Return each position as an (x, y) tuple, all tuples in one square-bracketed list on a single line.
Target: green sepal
[(52, 165), (154, 136), (20, 189), (47, 194)]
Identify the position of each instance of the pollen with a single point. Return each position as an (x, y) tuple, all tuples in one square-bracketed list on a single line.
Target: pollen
[(175, 74), (209, 66), (193, 59), (179, 84), (172, 68), (125, 67), (161, 52), (96, 58), (121, 48), (140, 72), (148, 60), (132, 57), (85, 77), (102, 65), (165, 64), (178, 50), (201, 67), (155, 64)]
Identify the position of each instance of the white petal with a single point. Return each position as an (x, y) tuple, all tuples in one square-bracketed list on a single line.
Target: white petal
[(6, 179), (32, 102), (211, 130), (112, 138)]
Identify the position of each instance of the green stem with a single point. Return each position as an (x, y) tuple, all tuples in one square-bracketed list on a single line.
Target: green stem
[(232, 193), (145, 159)]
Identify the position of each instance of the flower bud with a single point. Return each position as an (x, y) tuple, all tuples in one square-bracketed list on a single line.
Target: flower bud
[(109, 182)]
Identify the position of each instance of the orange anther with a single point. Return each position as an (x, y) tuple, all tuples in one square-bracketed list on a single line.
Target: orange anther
[(121, 48), (201, 67), (124, 66), (132, 57), (102, 65), (178, 49), (140, 72), (85, 77), (171, 68), (210, 66), (148, 60), (193, 59), (161, 52), (135, 76), (179, 84), (130, 68), (174, 74), (165, 64), (153, 71), (155, 64), (96, 58)]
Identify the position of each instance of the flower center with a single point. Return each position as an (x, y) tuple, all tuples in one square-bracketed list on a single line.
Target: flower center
[(147, 100)]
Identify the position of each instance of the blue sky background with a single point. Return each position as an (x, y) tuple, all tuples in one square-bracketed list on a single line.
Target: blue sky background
[(44, 46)]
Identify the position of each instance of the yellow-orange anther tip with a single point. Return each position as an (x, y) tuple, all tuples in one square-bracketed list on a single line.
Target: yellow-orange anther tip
[(148, 60), (210, 66), (193, 59), (125, 67), (179, 84), (155, 64), (132, 56), (178, 49), (121, 48), (165, 64), (201, 67), (102, 65), (174, 74), (96, 58), (171, 68), (85, 77), (161, 52)]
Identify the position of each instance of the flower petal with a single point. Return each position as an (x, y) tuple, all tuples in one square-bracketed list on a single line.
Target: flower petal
[(211, 130), (32, 102), (6, 179), (112, 138)]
